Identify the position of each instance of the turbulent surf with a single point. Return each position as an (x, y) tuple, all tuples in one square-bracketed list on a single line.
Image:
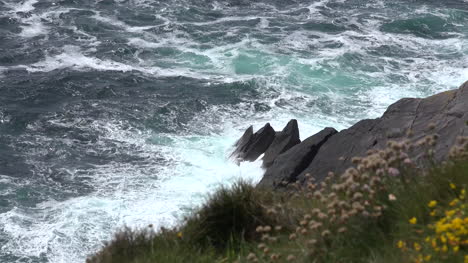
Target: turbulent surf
[(123, 112)]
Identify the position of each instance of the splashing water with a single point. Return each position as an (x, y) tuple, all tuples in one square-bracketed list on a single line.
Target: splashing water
[(118, 113)]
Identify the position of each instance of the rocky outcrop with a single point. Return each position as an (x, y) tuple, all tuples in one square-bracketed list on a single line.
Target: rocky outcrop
[(291, 163), (283, 141), (444, 114), (250, 146)]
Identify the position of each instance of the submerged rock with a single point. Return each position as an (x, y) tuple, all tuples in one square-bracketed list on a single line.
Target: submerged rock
[(291, 163), (283, 141)]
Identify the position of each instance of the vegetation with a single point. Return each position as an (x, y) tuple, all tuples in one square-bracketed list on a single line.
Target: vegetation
[(384, 210)]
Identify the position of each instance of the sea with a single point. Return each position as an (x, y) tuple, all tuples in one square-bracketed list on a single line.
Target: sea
[(119, 113)]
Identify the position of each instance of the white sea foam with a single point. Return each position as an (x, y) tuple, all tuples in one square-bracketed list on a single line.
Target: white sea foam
[(117, 23), (182, 168), (24, 6), (34, 28), (126, 195)]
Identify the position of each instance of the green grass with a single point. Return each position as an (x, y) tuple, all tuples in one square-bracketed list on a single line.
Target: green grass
[(224, 228)]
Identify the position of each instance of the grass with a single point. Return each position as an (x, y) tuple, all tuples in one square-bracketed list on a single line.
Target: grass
[(383, 210)]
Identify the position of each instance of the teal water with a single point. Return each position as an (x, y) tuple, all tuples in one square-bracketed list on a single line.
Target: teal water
[(119, 112)]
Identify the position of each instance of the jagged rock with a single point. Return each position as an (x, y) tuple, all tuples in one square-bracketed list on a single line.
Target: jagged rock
[(283, 141), (244, 141), (291, 163), (446, 112), (250, 146)]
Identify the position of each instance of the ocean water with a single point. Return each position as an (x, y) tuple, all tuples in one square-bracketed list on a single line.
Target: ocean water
[(123, 112)]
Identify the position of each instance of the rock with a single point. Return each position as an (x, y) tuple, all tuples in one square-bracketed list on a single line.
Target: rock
[(446, 112), (288, 165), (250, 146), (244, 141), (283, 141)]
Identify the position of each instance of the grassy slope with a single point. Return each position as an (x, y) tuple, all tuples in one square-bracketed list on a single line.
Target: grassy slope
[(363, 215)]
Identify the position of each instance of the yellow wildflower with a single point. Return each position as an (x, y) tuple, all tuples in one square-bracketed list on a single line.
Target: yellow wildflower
[(432, 203), (400, 244), (450, 213), (455, 249), (434, 243), (443, 239), (454, 202), (417, 246), (179, 235), (413, 220), (453, 186), (444, 248)]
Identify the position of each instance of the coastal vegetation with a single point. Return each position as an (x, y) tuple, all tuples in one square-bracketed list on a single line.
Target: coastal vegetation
[(388, 207)]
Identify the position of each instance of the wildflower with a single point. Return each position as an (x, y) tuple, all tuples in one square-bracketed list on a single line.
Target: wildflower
[(357, 196), (393, 171), (391, 197), (261, 246), (417, 246), (453, 202), (456, 248), (274, 257), (312, 242), (291, 258), (400, 244), (432, 203), (271, 211), (266, 228), (292, 236), (326, 233), (322, 215), (179, 235), (453, 186), (444, 248), (259, 229), (407, 161), (251, 257), (316, 226), (413, 220)]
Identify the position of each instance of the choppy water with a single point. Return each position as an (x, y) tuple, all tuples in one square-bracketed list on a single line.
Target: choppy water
[(122, 112)]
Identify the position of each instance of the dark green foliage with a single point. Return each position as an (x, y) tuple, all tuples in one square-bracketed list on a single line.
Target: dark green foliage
[(126, 245), (224, 228), (227, 219), (229, 216)]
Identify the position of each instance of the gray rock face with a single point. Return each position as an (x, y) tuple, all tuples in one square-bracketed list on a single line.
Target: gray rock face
[(283, 141), (244, 141), (444, 114), (447, 112), (291, 163), (250, 146)]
